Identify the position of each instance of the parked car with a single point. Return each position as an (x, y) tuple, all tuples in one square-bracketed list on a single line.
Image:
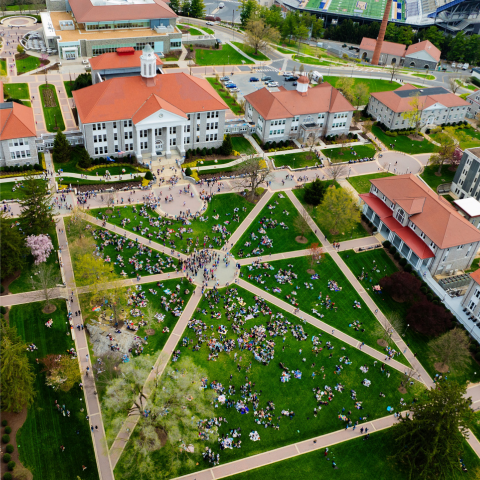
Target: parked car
[(225, 79), (253, 79), (212, 18), (210, 23), (85, 62), (344, 45), (266, 78), (291, 79), (230, 85), (221, 5), (273, 84), (235, 89), (319, 44), (287, 74), (294, 84)]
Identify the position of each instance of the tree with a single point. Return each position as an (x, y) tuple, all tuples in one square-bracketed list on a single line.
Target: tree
[(227, 146), (40, 246), (17, 377), (61, 148), (345, 85), (251, 174), (429, 440), (337, 170), (339, 210), (394, 68), (175, 407), (454, 83), (93, 271), (61, 371), (401, 286), (428, 318), (315, 253), (445, 152), (197, 8), (20, 48), (259, 34), (12, 247), (116, 299), (301, 223), (414, 114), (84, 159), (36, 207), (450, 350), (361, 93), (82, 81), (388, 326), (314, 192), (44, 280), (300, 32), (174, 5), (249, 9)]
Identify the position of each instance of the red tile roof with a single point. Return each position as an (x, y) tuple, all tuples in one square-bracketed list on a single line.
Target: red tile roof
[(426, 45), (16, 121), (476, 276), (377, 205), (123, 97), (438, 219), (402, 104), (114, 60), (289, 103), (85, 11), (388, 48)]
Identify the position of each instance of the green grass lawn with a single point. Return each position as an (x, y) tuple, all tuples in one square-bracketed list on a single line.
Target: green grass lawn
[(194, 32), (312, 298), (284, 50), (170, 58), (311, 60), (283, 238), (45, 429), (404, 144), (68, 88), (226, 56), (449, 198), (422, 75), (16, 90), (251, 52), (433, 180), (27, 64), (53, 115), (296, 395), (361, 183), (97, 247), (226, 97), (221, 205), (474, 142), (24, 8), (222, 170), (71, 167), (24, 283), (374, 85), (27, 103), (357, 231), (7, 193), (242, 145), (305, 49), (211, 163), (418, 343), (295, 160), (3, 67), (353, 459), (361, 151)]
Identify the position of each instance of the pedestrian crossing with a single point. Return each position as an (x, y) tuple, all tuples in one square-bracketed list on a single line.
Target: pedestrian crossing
[(266, 68)]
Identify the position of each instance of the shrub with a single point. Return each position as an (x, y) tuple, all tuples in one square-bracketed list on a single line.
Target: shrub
[(204, 151), (188, 172), (403, 262), (9, 448), (149, 175), (386, 244), (5, 438), (259, 191), (8, 430), (392, 250), (429, 319), (396, 256), (7, 457), (3, 310), (401, 286), (7, 476), (477, 356), (408, 268), (11, 465), (4, 422)]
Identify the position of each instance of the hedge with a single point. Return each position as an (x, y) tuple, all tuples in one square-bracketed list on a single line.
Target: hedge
[(5, 438)]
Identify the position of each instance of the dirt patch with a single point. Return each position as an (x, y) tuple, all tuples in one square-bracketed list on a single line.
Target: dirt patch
[(49, 98), (49, 308), (311, 271), (417, 138), (6, 283), (101, 187), (150, 331), (397, 300), (402, 390), (210, 158), (440, 367), (382, 342), (109, 211), (301, 239), (15, 421), (170, 65)]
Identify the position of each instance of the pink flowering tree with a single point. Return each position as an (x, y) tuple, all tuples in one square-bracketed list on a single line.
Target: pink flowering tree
[(40, 246)]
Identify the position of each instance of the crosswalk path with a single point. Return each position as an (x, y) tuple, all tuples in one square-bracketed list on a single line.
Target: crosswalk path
[(266, 68)]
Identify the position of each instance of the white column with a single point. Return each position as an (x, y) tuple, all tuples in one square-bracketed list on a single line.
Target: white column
[(182, 140), (138, 150), (167, 141), (153, 143)]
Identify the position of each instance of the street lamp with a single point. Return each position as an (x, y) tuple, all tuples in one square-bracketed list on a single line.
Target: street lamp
[(349, 170), (388, 167), (405, 329)]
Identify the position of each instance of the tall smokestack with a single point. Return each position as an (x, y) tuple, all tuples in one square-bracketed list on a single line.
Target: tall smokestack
[(381, 33)]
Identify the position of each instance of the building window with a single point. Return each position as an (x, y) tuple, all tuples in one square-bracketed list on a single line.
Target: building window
[(400, 215)]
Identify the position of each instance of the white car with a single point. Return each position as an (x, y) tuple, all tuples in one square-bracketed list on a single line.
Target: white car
[(287, 74), (272, 84), (85, 62), (211, 23)]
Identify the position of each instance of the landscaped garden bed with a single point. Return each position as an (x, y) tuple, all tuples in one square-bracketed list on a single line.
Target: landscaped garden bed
[(89, 185), (355, 152), (51, 108)]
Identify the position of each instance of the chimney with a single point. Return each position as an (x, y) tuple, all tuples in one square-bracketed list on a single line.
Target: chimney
[(381, 33)]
